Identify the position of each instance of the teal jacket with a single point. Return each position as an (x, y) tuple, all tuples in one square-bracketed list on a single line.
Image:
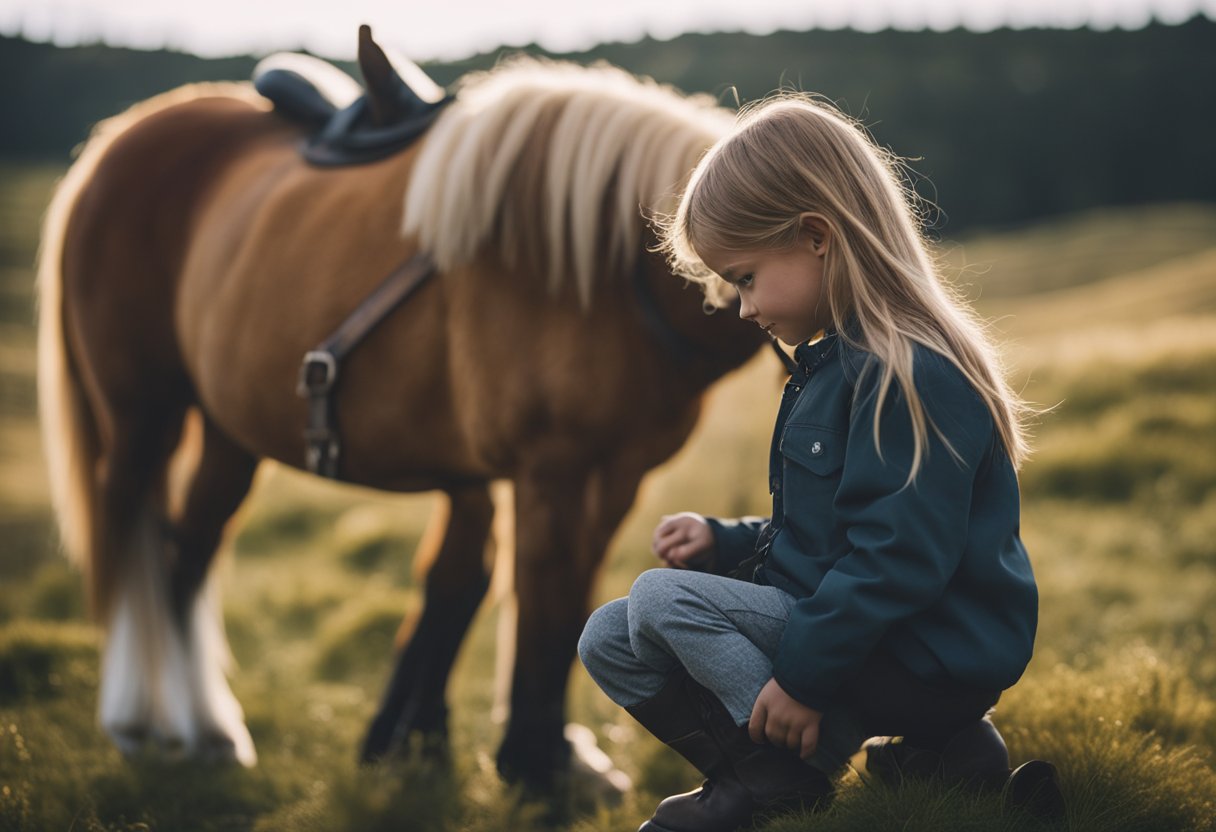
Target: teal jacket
[(934, 572)]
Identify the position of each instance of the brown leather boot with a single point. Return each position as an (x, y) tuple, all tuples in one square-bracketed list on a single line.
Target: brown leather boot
[(742, 779), (672, 716), (721, 804), (975, 758), (1034, 788), (776, 779)]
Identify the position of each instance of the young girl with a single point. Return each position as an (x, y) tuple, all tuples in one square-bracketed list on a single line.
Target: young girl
[(889, 592)]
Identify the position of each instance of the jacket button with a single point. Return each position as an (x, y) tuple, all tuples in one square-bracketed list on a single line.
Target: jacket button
[(816, 448)]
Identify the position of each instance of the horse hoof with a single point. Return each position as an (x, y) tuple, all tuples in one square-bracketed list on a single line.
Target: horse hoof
[(585, 782), (431, 747), (591, 770), (128, 739), (572, 775), (218, 747), (171, 748), (136, 741)]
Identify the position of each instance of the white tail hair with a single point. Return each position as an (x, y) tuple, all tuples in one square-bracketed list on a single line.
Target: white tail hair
[(549, 160)]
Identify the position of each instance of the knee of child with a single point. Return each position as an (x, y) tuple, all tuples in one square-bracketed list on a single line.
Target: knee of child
[(649, 587), (588, 641), (601, 626), (649, 598)]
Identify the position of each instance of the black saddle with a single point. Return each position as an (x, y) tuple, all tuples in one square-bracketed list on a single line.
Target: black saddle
[(345, 127)]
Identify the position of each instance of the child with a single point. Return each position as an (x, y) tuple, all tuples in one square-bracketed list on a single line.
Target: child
[(889, 593)]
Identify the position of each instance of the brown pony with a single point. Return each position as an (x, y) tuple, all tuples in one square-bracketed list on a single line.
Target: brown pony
[(191, 257)]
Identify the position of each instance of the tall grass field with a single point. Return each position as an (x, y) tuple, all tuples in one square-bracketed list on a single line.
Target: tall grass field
[(1108, 322)]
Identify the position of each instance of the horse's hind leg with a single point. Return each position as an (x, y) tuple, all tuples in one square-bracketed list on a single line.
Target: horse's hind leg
[(129, 566), (456, 583), (218, 486), (162, 674)]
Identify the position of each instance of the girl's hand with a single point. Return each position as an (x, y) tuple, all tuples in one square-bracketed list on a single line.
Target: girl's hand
[(783, 721), (683, 541)]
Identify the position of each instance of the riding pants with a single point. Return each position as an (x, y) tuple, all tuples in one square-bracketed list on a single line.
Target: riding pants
[(725, 632)]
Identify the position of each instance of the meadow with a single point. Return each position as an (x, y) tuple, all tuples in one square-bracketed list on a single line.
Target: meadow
[(1109, 324)]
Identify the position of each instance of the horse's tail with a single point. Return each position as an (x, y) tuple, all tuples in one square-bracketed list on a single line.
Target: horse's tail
[(70, 429), (72, 420), (68, 426)]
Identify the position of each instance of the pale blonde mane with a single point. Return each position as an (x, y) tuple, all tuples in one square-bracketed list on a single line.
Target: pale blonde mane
[(555, 165)]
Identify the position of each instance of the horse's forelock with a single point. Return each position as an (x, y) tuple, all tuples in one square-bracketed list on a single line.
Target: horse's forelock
[(555, 164)]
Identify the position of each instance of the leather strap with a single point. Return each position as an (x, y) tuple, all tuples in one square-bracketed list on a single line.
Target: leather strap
[(320, 369)]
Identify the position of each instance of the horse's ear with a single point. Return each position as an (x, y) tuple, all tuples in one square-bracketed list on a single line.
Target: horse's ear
[(380, 80)]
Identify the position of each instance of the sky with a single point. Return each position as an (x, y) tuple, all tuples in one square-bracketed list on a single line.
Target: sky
[(451, 29)]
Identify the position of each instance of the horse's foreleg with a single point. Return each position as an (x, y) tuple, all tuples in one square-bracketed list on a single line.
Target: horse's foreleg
[(564, 521), (456, 583)]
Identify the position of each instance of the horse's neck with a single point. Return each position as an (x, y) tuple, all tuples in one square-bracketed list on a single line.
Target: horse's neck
[(714, 343)]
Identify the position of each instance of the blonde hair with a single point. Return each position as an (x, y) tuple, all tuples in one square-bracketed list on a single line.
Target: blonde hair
[(550, 162), (794, 154)]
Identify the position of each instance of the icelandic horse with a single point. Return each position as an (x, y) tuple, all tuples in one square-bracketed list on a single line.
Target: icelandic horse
[(190, 258)]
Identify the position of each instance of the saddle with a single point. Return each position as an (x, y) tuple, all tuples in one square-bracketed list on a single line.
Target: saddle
[(345, 123)]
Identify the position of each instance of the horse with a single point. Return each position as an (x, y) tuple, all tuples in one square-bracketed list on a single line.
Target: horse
[(190, 257)]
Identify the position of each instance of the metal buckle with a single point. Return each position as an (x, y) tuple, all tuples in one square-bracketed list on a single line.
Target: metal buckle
[(307, 385), (321, 456)]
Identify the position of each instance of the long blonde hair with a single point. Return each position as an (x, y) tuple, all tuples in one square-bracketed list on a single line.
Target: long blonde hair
[(794, 154)]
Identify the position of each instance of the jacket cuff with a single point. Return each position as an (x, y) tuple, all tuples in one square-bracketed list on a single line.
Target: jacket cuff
[(734, 541), (818, 700)]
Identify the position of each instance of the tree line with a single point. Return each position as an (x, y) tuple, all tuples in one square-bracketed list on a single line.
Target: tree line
[(1000, 127)]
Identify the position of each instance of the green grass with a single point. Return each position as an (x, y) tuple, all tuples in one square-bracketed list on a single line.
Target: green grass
[(1046, 257), (1109, 317)]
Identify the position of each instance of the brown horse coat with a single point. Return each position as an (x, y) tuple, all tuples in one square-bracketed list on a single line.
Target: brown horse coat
[(191, 258)]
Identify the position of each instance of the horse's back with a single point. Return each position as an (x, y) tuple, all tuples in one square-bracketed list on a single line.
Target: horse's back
[(159, 157)]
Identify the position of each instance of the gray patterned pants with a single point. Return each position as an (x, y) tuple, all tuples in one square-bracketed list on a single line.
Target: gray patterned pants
[(723, 632)]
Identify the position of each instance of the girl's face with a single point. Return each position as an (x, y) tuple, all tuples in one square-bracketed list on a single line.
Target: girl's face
[(781, 291)]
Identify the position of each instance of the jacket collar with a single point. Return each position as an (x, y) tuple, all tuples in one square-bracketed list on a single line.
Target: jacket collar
[(813, 353)]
